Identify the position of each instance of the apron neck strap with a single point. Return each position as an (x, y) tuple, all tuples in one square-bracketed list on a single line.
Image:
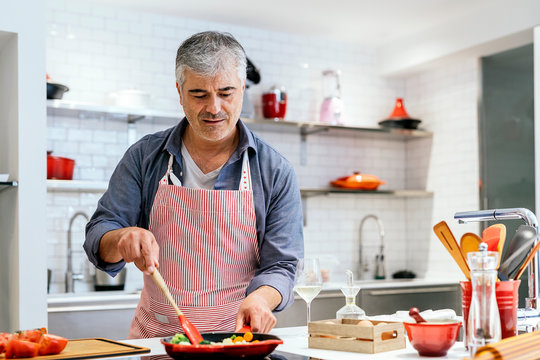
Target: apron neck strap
[(245, 178)]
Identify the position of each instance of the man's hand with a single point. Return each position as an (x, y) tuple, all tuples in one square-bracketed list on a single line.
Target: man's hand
[(131, 244), (256, 310)]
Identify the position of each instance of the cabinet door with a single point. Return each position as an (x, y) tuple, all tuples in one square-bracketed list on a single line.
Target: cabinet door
[(390, 300)]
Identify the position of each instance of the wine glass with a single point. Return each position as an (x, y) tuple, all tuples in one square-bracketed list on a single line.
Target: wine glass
[(308, 281)]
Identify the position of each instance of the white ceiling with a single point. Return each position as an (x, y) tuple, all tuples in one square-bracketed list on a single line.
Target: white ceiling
[(369, 22)]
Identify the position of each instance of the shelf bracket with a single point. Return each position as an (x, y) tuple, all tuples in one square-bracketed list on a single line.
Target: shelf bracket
[(305, 196), (132, 119), (132, 127), (304, 132), (8, 185)]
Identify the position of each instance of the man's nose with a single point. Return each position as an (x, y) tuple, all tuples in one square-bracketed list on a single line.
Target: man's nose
[(214, 104)]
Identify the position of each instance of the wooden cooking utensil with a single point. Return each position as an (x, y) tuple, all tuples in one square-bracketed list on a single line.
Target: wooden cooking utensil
[(191, 331), (446, 237), (527, 261), (469, 242)]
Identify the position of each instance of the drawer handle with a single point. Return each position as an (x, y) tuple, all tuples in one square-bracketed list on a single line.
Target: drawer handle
[(410, 291)]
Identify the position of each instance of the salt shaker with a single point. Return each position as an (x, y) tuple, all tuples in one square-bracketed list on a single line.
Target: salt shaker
[(350, 310), (484, 326)]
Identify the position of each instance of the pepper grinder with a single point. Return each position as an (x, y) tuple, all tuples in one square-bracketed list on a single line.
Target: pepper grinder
[(484, 326), (350, 310)]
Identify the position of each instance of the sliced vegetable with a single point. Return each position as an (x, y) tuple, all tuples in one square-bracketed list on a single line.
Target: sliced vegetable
[(51, 344), (238, 339), (4, 339), (30, 343), (21, 349), (233, 339), (33, 335), (248, 336)]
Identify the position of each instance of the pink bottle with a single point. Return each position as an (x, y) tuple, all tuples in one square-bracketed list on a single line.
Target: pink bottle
[(332, 105)]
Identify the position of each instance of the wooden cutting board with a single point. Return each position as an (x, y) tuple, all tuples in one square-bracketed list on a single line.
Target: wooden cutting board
[(93, 348)]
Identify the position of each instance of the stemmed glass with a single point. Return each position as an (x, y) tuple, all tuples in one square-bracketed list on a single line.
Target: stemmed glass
[(308, 281)]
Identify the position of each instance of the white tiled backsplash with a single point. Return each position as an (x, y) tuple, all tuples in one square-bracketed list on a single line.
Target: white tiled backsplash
[(96, 50)]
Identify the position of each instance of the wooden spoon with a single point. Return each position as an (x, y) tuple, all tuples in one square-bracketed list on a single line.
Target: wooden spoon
[(446, 237), (191, 331), (415, 314), (469, 242)]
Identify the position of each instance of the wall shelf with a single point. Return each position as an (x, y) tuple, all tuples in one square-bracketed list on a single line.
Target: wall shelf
[(4, 185), (308, 192), (73, 108), (77, 186), (101, 186)]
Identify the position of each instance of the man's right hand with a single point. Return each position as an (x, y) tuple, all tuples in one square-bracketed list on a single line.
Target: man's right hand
[(131, 244)]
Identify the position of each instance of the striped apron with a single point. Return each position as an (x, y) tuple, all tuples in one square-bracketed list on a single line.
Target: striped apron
[(208, 254)]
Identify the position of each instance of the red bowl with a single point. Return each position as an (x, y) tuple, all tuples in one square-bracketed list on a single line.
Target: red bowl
[(60, 168), (432, 339)]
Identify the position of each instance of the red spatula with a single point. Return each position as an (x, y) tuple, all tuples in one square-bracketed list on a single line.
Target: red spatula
[(191, 331), (495, 237)]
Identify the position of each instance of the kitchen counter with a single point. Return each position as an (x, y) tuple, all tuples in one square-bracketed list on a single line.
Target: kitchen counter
[(381, 284), (130, 299), (294, 347), (109, 313)]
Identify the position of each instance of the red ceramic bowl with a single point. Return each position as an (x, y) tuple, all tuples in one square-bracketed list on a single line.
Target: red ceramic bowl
[(432, 339)]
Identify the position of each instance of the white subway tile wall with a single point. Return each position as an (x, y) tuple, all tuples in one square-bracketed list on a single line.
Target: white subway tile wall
[(99, 50), (446, 99)]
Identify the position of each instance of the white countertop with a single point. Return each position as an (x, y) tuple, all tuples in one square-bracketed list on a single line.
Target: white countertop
[(295, 342)]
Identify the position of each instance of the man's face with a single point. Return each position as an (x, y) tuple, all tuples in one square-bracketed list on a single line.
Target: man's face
[(212, 104)]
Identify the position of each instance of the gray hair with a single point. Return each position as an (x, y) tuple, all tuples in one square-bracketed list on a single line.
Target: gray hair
[(207, 53)]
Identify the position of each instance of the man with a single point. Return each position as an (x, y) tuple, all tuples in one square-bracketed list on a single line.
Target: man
[(211, 205)]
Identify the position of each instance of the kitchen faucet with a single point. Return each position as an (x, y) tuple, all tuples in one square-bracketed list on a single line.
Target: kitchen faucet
[(531, 303), (379, 259), (70, 276)]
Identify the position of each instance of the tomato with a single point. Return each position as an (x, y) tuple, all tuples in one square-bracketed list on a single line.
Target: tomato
[(52, 344), (31, 335), (4, 339), (21, 349)]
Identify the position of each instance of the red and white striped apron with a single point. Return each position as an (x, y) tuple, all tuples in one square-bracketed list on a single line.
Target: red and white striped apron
[(208, 254)]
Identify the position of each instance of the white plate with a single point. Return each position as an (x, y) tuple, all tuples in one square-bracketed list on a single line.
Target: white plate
[(4, 177)]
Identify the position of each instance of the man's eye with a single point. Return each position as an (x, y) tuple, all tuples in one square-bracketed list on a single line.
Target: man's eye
[(199, 96), (226, 94)]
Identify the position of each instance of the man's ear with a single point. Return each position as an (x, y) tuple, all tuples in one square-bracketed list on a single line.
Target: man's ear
[(179, 94)]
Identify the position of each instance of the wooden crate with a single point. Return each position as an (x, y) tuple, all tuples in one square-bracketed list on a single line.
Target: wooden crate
[(346, 335)]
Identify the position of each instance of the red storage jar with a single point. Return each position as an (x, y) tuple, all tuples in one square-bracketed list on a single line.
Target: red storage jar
[(60, 168)]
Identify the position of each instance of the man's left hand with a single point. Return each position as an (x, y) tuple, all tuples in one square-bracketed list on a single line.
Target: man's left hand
[(256, 310)]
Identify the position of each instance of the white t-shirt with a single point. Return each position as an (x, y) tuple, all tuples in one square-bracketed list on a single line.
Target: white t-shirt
[(194, 178)]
